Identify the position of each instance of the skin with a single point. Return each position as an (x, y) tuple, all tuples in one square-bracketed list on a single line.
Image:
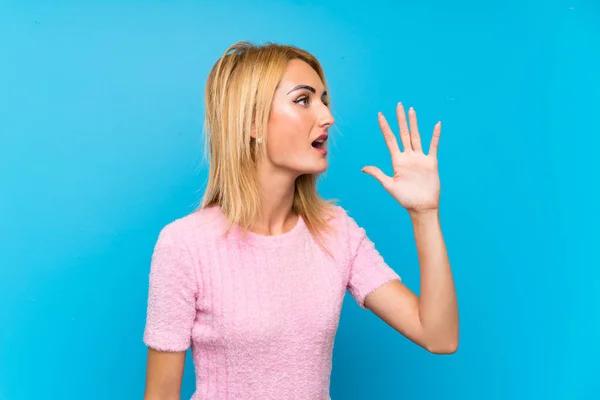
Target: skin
[(298, 116), (164, 373), (430, 320)]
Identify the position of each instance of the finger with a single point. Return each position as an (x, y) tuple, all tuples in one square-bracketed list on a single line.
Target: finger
[(390, 138), (404, 132), (433, 146), (415, 138), (378, 174)]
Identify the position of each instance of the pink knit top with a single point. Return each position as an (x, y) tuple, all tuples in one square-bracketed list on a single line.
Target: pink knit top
[(260, 313)]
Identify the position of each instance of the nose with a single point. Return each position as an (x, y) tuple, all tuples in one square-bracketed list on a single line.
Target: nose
[(326, 119)]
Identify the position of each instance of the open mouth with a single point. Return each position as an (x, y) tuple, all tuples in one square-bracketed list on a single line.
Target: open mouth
[(319, 143)]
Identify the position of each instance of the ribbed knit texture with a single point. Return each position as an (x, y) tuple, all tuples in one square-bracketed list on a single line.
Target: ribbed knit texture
[(260, 312)]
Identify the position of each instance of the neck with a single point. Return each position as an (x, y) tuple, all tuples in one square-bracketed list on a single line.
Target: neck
[(277, 190)]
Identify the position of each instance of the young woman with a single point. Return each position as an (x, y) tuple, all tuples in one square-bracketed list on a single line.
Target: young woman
[(254, 279)]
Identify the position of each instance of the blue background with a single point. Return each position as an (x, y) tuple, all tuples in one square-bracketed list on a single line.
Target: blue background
[(101, 111)]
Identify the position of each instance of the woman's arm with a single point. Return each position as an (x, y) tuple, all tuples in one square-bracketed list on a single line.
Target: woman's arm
[(164, 373), (431, 321), (171, 312)]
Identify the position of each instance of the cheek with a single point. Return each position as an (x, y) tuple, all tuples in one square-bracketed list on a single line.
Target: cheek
[(286, 119), (288, 130)]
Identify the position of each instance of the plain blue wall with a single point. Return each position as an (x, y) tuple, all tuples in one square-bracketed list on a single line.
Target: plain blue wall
[(100, 122)]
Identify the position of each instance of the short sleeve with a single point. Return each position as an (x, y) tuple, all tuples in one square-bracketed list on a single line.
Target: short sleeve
[(172, 295), (368, 269)]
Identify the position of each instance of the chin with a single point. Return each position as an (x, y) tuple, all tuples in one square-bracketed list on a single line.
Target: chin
[(314, 170), (308, 166), (324, 168), (318, 169)]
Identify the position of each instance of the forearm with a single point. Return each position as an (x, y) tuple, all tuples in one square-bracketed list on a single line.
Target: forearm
[(438, 309), (164, 374), (162, 397)]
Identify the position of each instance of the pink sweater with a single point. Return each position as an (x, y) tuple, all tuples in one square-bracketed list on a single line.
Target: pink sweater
[(260, 314)]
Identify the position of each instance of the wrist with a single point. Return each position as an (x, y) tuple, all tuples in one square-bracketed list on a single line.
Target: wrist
[(425, 216)]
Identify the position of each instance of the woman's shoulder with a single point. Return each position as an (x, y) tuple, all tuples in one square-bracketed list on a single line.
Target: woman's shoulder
[(343, 223), (203, 223), (340, 216)]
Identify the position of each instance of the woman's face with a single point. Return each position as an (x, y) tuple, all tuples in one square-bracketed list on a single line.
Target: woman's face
[(298, 122)]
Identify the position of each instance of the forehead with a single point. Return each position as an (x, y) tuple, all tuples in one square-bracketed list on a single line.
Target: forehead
[(299, 72)]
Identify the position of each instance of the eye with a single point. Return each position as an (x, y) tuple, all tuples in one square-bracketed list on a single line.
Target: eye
[(302, 99)]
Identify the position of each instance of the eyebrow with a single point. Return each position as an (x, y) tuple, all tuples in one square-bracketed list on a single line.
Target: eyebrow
[(307, 87)]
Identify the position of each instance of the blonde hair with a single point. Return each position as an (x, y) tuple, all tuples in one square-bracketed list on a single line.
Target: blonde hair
[(238, 97)]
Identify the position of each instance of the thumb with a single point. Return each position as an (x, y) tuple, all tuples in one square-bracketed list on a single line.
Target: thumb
[(377, 174)]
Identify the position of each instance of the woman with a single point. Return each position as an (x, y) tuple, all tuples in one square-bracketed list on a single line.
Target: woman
[(254, 279)]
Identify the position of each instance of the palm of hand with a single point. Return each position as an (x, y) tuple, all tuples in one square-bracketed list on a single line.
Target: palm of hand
[(415, 183)]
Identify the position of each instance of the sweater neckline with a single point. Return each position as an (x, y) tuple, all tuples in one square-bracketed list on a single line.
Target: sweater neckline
[(262, 240)]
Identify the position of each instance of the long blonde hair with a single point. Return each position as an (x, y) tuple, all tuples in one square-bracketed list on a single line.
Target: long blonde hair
[(238, 98)]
